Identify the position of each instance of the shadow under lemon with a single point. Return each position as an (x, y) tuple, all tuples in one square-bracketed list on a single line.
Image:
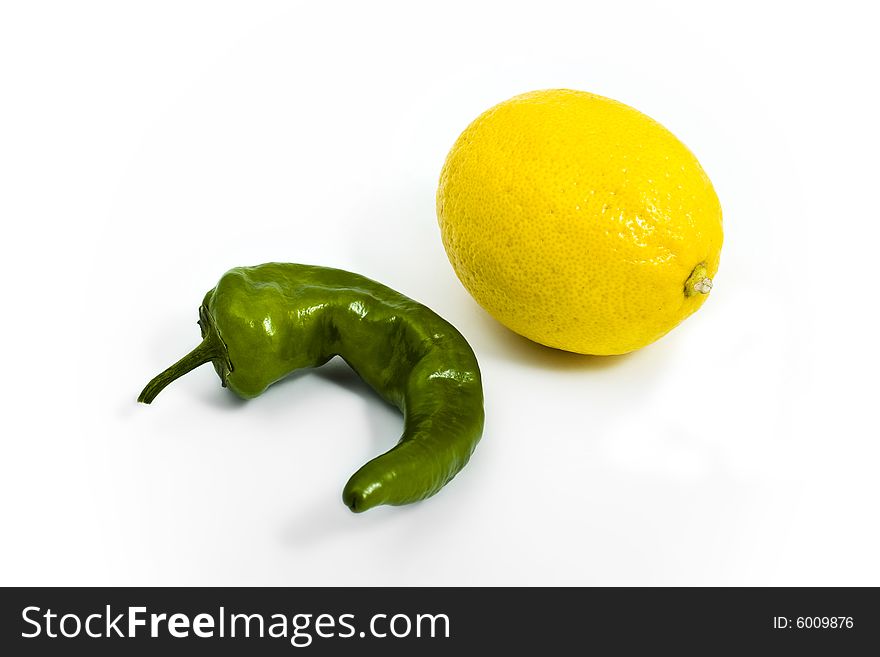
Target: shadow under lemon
[(511, 345)]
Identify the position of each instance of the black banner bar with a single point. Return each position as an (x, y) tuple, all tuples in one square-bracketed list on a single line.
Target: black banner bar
[(436, 621)]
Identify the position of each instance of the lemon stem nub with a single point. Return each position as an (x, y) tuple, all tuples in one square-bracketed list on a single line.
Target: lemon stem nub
[(698, 282), (703, 286)]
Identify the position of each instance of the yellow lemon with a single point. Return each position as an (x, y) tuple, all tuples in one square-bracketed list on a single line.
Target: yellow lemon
[(579, 222)]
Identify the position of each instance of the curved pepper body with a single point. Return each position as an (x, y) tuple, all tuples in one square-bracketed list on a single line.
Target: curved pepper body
[(273, 319)]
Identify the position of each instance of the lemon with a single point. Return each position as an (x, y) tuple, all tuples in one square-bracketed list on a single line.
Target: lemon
[(579, 222)]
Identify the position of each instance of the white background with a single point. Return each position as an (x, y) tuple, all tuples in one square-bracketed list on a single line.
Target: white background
[(145, 148)]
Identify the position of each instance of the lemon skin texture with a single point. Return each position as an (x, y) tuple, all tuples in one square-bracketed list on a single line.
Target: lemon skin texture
[(579, 222)]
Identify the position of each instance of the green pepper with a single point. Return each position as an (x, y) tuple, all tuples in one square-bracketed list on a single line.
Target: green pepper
[(259, 324)]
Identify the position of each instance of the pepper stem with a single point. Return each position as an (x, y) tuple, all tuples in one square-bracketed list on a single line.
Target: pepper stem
[(698, 282), (211, 349)]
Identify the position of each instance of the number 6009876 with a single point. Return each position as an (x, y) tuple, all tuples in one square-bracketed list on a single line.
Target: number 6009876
[(824, 622)]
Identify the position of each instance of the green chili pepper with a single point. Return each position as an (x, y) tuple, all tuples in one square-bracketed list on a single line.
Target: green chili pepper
[(261, 323)]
